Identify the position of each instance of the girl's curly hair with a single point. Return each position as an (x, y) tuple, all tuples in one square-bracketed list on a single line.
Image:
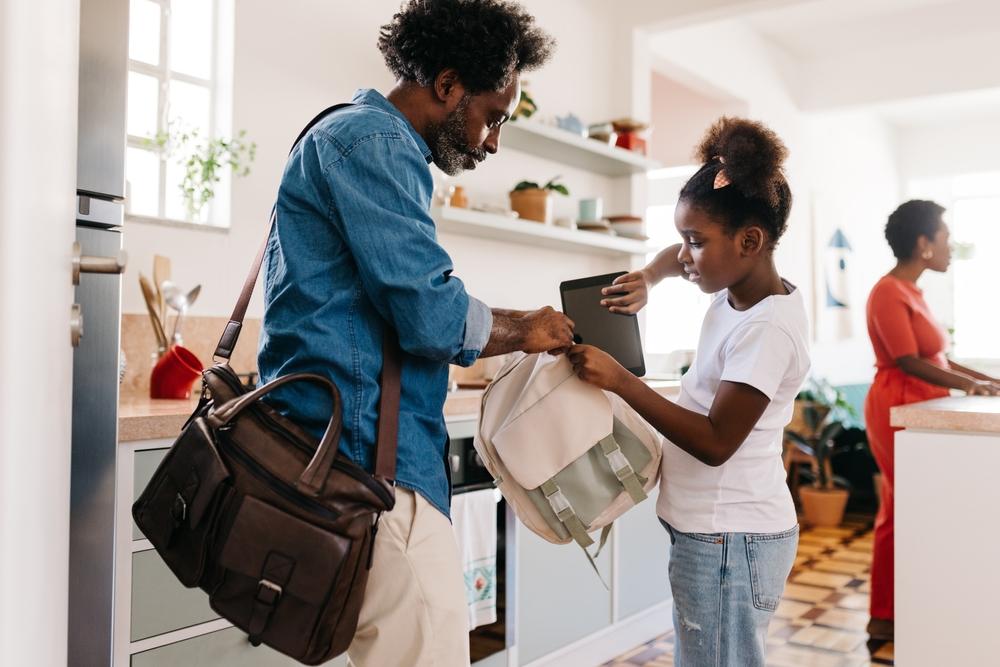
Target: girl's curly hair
[(485, 41), (751, 155)]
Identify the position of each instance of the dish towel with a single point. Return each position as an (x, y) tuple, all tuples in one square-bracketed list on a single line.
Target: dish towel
[(474, 518)]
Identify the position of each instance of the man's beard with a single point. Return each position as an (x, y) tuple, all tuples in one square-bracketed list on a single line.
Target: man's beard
[(449, 143)]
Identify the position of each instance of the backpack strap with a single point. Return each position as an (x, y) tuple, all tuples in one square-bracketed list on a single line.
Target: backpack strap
[(623, 469)]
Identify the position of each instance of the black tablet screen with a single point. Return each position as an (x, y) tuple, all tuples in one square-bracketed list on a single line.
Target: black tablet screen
[(618, 335)]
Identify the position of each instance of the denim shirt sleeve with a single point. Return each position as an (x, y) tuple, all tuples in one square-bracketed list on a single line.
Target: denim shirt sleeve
[(379, 188)]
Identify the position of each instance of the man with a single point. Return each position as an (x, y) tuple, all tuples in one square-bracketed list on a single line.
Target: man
[(354, 257)]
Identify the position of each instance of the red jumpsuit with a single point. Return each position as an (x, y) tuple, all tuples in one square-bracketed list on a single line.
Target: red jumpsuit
[(899, 325)]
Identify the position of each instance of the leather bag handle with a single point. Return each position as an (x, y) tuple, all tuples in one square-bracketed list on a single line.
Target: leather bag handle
[(312, 478)]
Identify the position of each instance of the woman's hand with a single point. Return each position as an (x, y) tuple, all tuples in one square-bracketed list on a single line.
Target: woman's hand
[(634, 290), (597, 367), (982, 388)]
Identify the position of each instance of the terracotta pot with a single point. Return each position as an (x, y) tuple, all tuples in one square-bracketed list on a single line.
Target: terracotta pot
[(534, 204), (823, 508)]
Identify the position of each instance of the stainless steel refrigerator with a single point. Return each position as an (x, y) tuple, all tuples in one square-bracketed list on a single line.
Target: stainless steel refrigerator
[(98, 264)]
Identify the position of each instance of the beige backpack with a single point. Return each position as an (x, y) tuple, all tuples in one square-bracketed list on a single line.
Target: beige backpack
[(568, 457)]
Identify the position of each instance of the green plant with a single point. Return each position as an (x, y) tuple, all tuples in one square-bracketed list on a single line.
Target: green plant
[(525, 106), (551, 185), (203, 159), (824, 408)]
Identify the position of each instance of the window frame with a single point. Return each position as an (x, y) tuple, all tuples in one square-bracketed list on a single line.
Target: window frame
[(216, 212)]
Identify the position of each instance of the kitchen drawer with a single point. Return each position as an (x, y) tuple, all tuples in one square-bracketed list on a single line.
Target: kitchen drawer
[(146, 461), (160, 603), (223, 648)]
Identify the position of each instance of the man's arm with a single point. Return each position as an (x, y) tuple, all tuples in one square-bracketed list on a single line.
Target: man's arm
[(543, 330)]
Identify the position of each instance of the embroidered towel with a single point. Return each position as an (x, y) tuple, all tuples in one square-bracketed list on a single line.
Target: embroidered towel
[(474, 517)]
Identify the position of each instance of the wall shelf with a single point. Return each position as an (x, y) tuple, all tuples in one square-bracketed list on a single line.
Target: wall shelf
[(555, 144), (502, 228)]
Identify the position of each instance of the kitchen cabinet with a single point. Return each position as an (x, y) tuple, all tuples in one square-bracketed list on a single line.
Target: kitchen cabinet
[(560, 598)]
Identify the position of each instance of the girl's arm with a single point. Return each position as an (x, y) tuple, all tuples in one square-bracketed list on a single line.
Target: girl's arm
[(634, 287), (712, 438), (943, 377)]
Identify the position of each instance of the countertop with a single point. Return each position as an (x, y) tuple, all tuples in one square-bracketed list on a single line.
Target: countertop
[(143, 418), (979, 414)]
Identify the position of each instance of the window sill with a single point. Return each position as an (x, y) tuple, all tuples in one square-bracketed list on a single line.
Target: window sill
[(172, 222)]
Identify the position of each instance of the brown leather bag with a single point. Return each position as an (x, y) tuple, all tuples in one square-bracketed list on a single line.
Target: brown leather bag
[(277, 528)]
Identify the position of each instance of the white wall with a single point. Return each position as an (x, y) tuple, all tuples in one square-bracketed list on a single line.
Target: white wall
[(680, 116), (854, 185), (293, 59)]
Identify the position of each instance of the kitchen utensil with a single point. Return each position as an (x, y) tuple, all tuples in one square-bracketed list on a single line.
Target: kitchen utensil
[(149, 295), (161, 272), (180, 302)]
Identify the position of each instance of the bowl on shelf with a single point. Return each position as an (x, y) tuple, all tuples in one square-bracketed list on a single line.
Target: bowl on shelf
[(627, 225)]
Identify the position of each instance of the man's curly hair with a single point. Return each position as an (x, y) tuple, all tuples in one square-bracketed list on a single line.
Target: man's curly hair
[(485, 41)]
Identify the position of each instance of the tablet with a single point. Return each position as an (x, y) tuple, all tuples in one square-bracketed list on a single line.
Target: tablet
[(616, 334)]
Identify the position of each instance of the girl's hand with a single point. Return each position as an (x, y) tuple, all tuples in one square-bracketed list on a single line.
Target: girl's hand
[(634, 290), (597, 367)]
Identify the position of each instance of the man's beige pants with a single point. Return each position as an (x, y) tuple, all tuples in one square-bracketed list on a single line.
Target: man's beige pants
[(414, 613)]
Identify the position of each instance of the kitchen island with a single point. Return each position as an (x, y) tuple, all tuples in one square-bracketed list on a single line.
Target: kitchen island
[(947, 543), (557, 612)]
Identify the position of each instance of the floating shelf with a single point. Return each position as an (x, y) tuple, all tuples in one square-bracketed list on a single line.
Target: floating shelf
[(555, 144), (451, 220)]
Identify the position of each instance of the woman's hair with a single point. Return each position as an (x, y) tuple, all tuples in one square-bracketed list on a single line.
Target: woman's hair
[(485, 41), (741, 181), (913, 219)]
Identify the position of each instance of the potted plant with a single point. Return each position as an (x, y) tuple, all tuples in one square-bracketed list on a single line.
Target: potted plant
[(814, 429), (533, 202)]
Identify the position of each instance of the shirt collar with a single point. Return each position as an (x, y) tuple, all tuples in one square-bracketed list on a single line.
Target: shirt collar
[(373, 98)]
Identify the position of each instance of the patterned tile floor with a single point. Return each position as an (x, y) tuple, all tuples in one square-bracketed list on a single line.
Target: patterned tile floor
[(822, 616)]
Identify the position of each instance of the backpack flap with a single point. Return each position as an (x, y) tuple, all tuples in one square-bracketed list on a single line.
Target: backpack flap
[(555, 421)]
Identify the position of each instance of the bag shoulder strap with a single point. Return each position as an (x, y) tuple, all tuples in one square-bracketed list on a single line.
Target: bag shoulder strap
[(388, 416)]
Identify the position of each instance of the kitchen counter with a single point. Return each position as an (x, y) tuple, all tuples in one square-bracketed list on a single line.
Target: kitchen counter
[(956, 413), (143, 418), (946, 500)]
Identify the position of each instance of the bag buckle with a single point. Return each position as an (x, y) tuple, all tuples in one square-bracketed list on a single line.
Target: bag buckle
[(268, 592), (619, 464), (178, 511)]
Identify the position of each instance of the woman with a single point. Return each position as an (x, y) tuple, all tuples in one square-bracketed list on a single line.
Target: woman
[(910, 367)]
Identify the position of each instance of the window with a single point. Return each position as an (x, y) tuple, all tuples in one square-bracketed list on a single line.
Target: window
[(180, 65), (676, 307), (962, 298)]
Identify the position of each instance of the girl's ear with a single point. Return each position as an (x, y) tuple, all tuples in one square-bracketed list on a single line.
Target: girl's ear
[(752, 240)]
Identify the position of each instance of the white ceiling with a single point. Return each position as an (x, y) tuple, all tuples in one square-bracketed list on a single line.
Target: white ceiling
[(913, 62), (823, 29)]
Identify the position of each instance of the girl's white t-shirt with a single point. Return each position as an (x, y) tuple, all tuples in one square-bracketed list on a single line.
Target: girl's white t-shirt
[(766, 347)]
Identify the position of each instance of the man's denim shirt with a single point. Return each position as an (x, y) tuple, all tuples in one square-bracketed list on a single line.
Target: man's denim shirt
[(354, 249)]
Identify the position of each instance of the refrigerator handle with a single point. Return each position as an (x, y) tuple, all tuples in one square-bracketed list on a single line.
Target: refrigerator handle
[(88, 264)]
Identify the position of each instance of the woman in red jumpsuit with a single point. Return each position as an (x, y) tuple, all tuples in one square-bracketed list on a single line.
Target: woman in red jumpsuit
[(910, 367)]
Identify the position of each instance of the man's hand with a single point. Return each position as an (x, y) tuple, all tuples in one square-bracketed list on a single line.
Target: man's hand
[(628, 294), (543, 330), (550, 331), (598, 368)]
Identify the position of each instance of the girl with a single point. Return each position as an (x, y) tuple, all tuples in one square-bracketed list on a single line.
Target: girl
[(723, 497)]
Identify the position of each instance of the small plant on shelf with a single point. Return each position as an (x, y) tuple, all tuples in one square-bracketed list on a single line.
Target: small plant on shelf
[(533, 202)]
